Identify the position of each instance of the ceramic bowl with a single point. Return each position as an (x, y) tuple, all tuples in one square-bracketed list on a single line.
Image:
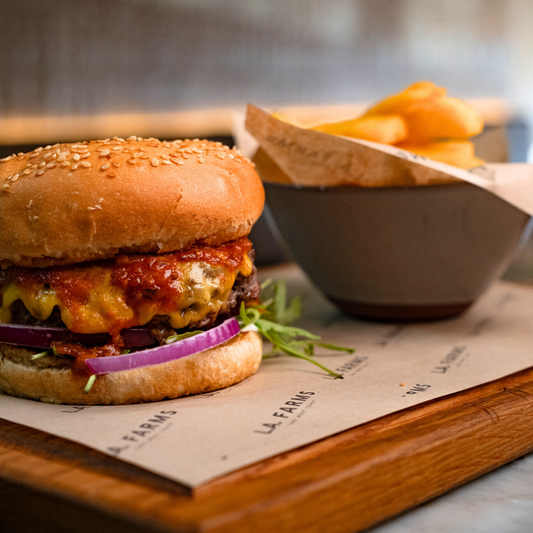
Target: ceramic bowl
[(398, 253)]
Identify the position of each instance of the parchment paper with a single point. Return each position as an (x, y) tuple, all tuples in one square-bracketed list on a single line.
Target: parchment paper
[(311, 158), (289, 402)]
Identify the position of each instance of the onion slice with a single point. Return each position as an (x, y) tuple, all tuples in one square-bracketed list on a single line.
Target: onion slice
[(168, 352), (41, 337)]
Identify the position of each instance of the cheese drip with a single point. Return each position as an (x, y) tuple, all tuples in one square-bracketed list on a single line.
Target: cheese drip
[(106, 307)]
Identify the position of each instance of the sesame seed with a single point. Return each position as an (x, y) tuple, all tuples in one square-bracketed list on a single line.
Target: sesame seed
[(54, 156), (106, 166), (76, 157), (118, 148), (47, 155), (185, 156), (84, 156), (115, 164), (164, 156), (104, 152), (6, 159), (111, 175), (40, 173), (65, 164), (61, 158), (200, 160), (144, 156), (154, 161), (86, 164), (15, 177), (38, 149), (166, 162), (132, 138), (32, 155), (51, 165), (220, 155), (132, 161), (231, 156), (75, 166), (26, 172), (42, 164), (196, 151), (187, 150), (181, 162), (5, 187)]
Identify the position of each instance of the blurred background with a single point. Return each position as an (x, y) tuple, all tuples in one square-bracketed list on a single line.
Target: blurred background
[(74, 69)]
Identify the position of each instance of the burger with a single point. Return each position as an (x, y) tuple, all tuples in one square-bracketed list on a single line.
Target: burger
[(110, 250)]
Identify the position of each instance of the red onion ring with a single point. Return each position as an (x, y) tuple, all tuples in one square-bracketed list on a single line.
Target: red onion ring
[(168, 352), (41, 337)]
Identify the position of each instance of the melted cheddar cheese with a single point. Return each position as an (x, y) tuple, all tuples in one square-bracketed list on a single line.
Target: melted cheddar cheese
[(109, 296)]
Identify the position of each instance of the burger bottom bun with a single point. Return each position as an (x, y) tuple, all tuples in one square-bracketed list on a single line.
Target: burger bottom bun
[(213, 369)]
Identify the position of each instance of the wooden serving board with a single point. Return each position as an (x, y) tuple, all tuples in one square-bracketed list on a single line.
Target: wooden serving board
[(346, 482)]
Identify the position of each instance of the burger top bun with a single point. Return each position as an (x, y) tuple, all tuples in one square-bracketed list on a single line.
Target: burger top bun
[(68, 203)]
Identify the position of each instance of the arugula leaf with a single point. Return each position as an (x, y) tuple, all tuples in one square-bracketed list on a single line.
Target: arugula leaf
[(180, 336), (272, 319), (39, 355), (90, 384), (284, 330)]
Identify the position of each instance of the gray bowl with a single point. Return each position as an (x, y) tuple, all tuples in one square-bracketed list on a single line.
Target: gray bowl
[(398, 253)]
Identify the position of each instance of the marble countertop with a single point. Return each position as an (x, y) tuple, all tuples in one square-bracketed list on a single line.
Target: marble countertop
[(498, 502)]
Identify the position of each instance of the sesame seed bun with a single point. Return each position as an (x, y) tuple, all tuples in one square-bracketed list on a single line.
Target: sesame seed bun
[(213, 369), (69, 203)]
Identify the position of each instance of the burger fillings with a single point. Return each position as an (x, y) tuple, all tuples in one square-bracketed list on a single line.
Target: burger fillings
[(110, 235)]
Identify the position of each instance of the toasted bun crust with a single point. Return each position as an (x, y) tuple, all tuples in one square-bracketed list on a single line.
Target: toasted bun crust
[(69, 203), (213, 369)]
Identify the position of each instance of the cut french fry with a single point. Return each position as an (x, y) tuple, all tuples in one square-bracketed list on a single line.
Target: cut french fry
[(443, 118), (267, 169), (386, 129), (288, 120), (397, 104), (458, 153)]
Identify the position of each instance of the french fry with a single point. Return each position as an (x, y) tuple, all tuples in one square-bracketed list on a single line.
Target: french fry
[(286, 119), (458, 153), (443, 118), (420, 119), (398, 104), (386, 129), (267, 168)]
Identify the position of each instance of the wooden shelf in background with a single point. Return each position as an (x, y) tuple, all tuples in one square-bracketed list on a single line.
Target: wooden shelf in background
[(29, 130)]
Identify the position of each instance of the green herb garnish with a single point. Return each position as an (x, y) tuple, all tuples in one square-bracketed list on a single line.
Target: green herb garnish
[(180, 336), (272, 319), (39, 355), (90, 384)]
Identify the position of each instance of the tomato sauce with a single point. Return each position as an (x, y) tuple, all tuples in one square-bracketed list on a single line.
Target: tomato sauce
[(141, 276)]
